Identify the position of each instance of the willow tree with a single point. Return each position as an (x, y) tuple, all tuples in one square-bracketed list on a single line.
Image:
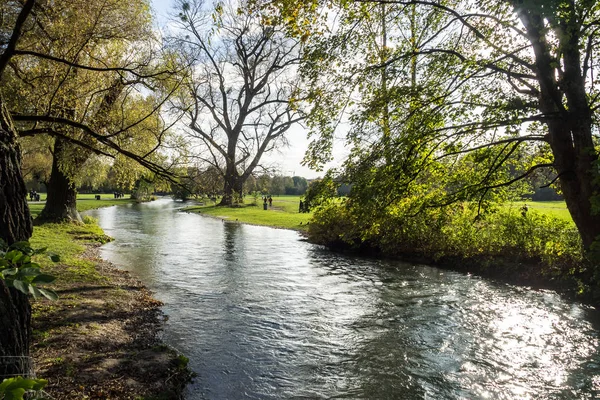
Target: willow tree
[(20, 19), (515, 95), (241, 90), (113, 40)]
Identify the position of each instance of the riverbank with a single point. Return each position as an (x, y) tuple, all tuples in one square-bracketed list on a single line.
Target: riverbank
[(101, 339), (282, 213), (539, 251), (525, 248), (84, 202)]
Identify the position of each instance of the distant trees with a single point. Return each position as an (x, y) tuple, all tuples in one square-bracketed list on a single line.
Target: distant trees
[(201, 182), (198, 182), (240, 101)]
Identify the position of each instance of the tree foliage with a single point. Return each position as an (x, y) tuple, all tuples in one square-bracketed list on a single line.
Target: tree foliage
[(93, 67), (462, 101)]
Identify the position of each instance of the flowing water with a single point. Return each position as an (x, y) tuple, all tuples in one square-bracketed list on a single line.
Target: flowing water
[(263, 314)]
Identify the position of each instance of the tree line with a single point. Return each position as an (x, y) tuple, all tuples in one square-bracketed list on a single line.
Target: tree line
[(209, 182)]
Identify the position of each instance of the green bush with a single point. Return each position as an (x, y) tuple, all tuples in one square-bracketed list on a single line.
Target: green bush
[(88, 220), (455, 232)]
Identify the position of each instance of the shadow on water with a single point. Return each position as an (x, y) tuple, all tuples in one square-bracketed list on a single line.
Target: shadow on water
[(265, 315)]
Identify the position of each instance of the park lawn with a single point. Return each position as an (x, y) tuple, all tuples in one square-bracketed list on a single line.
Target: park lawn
[(84, 202), (283, 214), (556, 209)]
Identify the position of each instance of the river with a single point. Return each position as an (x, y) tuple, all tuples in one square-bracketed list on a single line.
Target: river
[(262, 314)]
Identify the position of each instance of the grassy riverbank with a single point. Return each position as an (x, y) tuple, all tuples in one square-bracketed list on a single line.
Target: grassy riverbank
[(282, 214), (540, 248), (100, 339)]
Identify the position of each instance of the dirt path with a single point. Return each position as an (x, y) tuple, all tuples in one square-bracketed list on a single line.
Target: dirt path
[(100, 341)]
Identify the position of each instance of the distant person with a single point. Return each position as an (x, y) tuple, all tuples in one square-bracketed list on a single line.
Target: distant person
[(270, 201), (301, 207), (524, 210)]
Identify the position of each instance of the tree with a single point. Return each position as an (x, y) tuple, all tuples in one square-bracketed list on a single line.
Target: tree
[(98, 95), (18, 19), (37, 161), (15, 220), (516, 92), (278, 185), (241, 88), (300, 185)]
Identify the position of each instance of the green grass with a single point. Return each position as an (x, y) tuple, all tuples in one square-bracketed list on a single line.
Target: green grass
[(283, 214), (84, 202), (68, 241), (556, 209)]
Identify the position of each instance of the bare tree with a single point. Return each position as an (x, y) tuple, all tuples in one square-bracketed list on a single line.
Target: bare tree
[(241, 88)]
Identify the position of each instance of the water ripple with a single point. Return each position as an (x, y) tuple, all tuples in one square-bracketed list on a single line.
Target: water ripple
[(265, 315)]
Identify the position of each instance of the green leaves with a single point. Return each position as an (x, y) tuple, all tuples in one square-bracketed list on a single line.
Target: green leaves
[(15, 388), (20, 272)]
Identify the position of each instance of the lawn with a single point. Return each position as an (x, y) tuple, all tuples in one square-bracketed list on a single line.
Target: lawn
[(68, 241), (554, 208), (283, 213), (84, 202)]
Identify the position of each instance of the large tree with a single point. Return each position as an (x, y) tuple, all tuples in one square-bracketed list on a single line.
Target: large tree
[(114, 41), (18, 20), (240, 103), (514, 95)]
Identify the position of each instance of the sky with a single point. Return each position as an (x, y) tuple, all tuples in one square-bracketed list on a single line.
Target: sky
[(286, 161)]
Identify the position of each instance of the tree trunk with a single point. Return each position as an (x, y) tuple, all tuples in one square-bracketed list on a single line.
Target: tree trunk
[(234, 185), (15, 220), (15, 225), (61, 200), (569, 128), (15, 333)]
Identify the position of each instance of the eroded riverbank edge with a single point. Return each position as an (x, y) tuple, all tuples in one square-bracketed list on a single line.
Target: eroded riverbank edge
[(102, 340)]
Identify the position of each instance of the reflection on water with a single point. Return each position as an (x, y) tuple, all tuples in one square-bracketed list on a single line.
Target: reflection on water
[(264, 315)]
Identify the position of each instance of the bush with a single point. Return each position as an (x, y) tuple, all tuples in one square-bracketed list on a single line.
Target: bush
[(456, 233), (88, 220)]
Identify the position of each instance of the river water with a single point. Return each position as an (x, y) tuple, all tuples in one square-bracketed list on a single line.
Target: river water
[(263, 314)]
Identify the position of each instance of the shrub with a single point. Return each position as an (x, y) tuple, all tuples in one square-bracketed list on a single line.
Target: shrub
[(455, 232)]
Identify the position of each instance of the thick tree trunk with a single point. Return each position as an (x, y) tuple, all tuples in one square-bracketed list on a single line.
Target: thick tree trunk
[(15, 225), (233, 188), (15, 220), (15, 333), (569, 128), (61, 200)]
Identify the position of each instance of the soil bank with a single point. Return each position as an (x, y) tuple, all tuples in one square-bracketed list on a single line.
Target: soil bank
[(102, 340)]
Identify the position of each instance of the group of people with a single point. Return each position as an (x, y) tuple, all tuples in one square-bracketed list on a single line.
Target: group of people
[(33, 195), (119, 195), (268, 199)]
